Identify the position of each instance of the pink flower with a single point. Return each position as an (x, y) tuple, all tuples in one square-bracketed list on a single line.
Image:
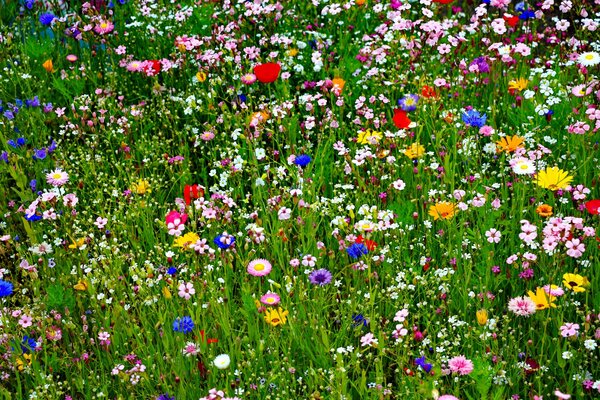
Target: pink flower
[(368, 340), (25, 321), (175, 222), (569, 329), (259, 267), (447, 397), (493, 235), (522, 306), (575, 248), (104, 27), (186, 290), (461, 365), (561, 395)]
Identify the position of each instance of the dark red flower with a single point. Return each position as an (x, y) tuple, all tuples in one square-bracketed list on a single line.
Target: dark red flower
[(370, 245), (401, 119), (267, 73), (511, 20), (532, 366), (152, 67), (191, 192), (443, 1), (593, 207)]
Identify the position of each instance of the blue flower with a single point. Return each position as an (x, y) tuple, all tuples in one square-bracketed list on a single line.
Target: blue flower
[(47, 18), (409, 102), (39, 154), (165, 396), (4, 156), (421, 363), (21, 141), (302, 160), (52, 146), (184, 324), (474, 118), (528, 14), (172, 271), (520, 6), (28, 344), (33, 218), (224, 241), (359, 320), (35, 102), (33, 185), (357, 250), (6, 288)]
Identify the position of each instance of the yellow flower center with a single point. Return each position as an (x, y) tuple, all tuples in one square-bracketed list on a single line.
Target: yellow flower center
[(270, 300), (523, 166), (259, 267), (56, 176), (104, 25), (589, 57)]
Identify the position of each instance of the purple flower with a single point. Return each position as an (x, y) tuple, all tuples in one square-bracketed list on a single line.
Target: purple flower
[(320, 277), (409, 102), (47, 18)]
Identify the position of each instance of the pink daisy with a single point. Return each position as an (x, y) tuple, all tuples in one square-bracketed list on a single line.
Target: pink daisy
[(270, 299), (58, 177), (104, 27), (259, 267), (447, 397), (461, 365), (248, 79), (522, 306)]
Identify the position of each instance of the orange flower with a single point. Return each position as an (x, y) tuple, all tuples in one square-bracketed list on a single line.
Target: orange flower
[(443, 210), (509, 144), (48, 66), (428, 92), (338, 83), (544, 210)]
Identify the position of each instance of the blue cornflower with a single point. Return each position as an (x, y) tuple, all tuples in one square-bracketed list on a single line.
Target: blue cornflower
[(184, 324), (357, 250), (6, 288), (359, 320), (302, 160), (39, 154), (33, 185), (527, 14), (224, 241), (520, 6), (21, 141), (33, 218), (241, 98), (474, 118), (165, 396), (47, 18), (421, 363), (320, 277), (409, 102), (28, 344), (172, 271)]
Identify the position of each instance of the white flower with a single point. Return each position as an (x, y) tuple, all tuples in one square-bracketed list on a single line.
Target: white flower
[(590, 344), (222, 361), (589, 59)]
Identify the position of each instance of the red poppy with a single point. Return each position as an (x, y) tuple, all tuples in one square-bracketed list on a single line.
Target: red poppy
[(267, 73), (401, 119), (511, 20), (593, 207), (427, 92), (152, 67), (369, 244), (192, 192), (443, 1)]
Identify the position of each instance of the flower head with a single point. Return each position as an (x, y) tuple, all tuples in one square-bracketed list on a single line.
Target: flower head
[(259, 267), (509, 144), (276, 317), (267, 73), (58, 177), (541, 299), (442, 210), (6, 288), (460, 365), (302, 160), (409, 102), (553, 178), (183, 324), (320, 277), (589, 59), (401, 119), (186, 240), (222, 361), (270, 299), (522, 306), (575, 282), (474, 118), (416, 150)]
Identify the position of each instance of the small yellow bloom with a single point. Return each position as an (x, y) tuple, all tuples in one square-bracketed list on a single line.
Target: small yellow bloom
[(509, 144), (48, 65), (443, 210), (575, 282), (77, 243), (553, 178), (518, 84), (141, 187), (482, 316), (416, 150), (201, 76), (82, 285), (186, 240), (293, 52), (276, 317), (369, 137), (166, 292), (541, 299), (23, 361)]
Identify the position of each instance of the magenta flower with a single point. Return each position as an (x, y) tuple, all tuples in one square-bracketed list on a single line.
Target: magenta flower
[(460, 365)]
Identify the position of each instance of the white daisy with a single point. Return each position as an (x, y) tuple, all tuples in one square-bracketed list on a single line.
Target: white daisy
[(589, 59)]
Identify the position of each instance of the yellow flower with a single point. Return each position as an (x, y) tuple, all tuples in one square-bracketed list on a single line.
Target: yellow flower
[(509, 144), (82, 285), (201, 76), (23, 361), (482, 316), (443, 210), (553, 178), (186, 240), (77, 243), (541, 299), (166, 292), (416, 150), (276, 317), (544, 210), (518, 84), (369, 137), (292, 52), (141, 187), (575, 282), (48, 66)]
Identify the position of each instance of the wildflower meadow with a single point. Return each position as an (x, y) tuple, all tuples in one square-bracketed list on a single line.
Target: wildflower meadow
[(300, 199)]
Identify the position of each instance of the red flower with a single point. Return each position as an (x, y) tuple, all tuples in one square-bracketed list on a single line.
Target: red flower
[(369, 244), (267, 73), (427, 91), (443, 1), (192, 192), (593, 207), (152, 67), (511, 20), (401, 119)]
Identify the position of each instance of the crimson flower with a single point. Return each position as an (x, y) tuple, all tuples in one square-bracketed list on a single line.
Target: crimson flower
[(267, 73), (593, 207), (401, 119), (190, 192)]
